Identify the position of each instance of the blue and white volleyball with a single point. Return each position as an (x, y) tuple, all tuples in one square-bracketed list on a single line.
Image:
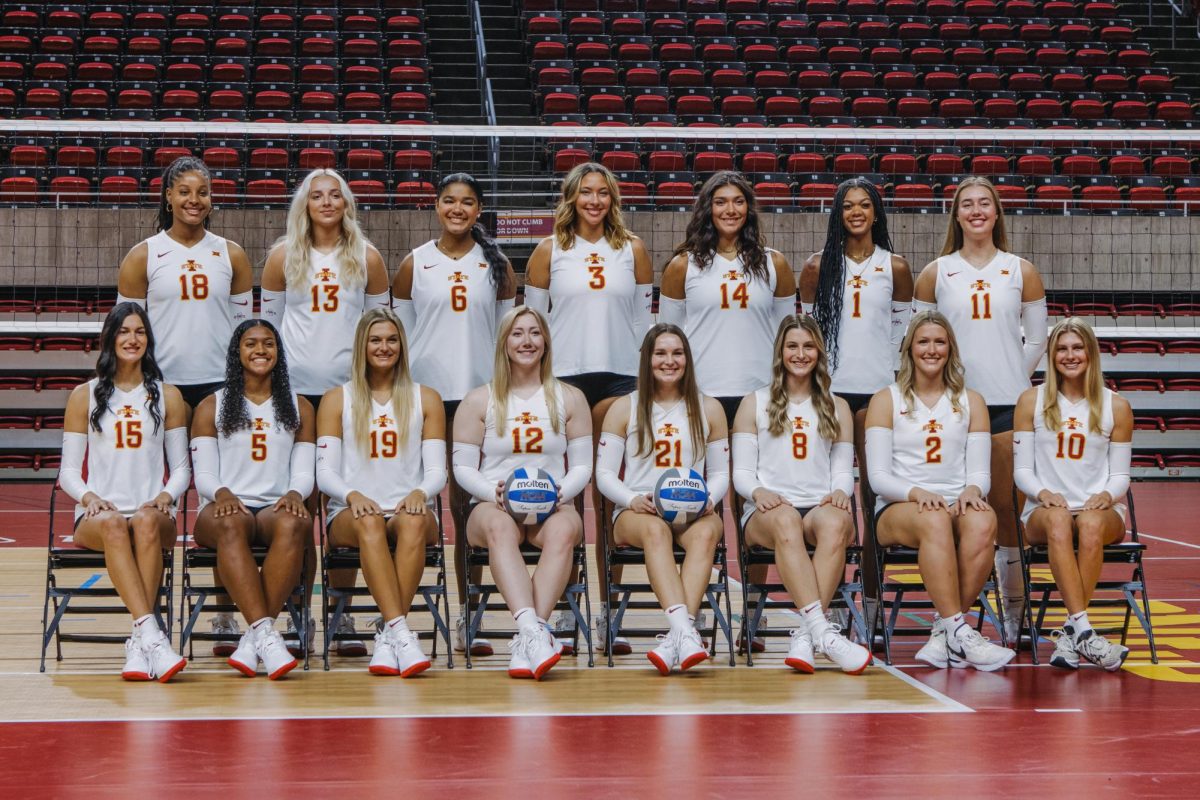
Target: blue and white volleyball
[(680, 496), (530, 495)]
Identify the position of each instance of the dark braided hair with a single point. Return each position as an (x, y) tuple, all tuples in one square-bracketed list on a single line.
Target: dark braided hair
[(171, 174), (497, 263), (701, 236), (106, 364), (827, 308), (234, 414)]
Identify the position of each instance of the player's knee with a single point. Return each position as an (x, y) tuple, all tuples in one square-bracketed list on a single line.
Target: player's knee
[(372, 529), (558, 538), (114, 530), (705, 537), (1091, 531), (410, 531), (789, 537)]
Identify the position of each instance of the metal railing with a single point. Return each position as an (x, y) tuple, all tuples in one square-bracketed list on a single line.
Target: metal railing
[(485, 90)]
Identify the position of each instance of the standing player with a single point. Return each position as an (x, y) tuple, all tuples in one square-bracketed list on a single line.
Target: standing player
[(196, 287), (667, 423), (382, 460), (252, 446), (319, 278), (595, 280), (927, 447), (524, 418), (1072, 447), (450, 293), (992, 298), (793, 461), (121, 422)]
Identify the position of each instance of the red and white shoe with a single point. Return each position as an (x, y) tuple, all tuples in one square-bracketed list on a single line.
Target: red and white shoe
[(137, 667), (245, 656), (800, 653), (852, 658), (164, 662), (409, 657), (383, 660), (691, 650), (274, 654)]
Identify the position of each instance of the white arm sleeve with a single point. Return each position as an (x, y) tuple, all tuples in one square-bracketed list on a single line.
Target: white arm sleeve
[(433, 467), (467, 474), (716, 470), (502, 308), (672, 311), (179, 463), (608, 469), (141, 301), (745, 465), (303, 468), (241, 307), (70, 473), (329, 468), (920, 305), (879, 467), (272, 307), (206, 464), (407, 313), (901, 313), (1120, 454), (782, 308), (1033, 324), (643, 314), (1024, 471), (579, 467), (381, 300), (537, 299), (807, 308), (841, 468), (979, 461)]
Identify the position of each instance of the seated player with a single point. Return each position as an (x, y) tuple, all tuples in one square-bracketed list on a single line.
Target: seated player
[(928, 446), (666, 423), (1071, 448), (793, 461)]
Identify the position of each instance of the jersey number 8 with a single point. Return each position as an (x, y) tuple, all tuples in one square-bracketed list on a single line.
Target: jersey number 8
[(799, 446)]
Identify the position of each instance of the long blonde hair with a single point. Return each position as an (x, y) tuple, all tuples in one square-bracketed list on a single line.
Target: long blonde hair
[(502, 369), (778, 421), (565, 216), (952, 370), (351, 253), (954, 231), (645, 398), (360, 389), (1093, 378)]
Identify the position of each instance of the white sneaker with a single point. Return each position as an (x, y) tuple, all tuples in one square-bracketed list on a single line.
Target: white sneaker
[(692, 650), (164, 661), (137, 667), (1065, 656), (852, 658), (1100, 651), (292, 639), (479, 645), (274, 653), (518, 665), (409, 657), (244, 657), (542, 651), (351, 648), (383, 660), (665, 657), (935, 653), (800, 653), (621, 645), (562, 625), (226, 626), (970, 648)]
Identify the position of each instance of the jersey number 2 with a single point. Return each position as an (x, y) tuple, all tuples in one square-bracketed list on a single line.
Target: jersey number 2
[(933, 453)]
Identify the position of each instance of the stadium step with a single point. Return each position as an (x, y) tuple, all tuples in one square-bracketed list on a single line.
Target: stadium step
[(508, 66), (458, 99), (1181, 56)]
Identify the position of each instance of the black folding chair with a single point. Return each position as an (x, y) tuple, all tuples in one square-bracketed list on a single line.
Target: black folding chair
[(59, 597)]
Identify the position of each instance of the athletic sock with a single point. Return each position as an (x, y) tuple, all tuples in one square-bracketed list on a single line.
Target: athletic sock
[(398, 625), (145, 626), (678, 619), (1079, 624), (951, 626), (527, 620), (1009, 579), (264, 624), (814, 619)]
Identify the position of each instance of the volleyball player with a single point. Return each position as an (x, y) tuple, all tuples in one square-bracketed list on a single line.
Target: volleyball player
[(196, 287), (319, 278), (524, 418), (253, 455), (121, 422), (667, 423), (927, 450), (993, 299), (793, 462), (382, 459), (1072, 447), (450, 293), (595, 280)]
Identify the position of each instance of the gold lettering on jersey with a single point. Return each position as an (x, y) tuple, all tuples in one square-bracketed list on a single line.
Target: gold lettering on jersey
[(326, 274), (980, 286), (933, 426), (879, 269), (668, 430), (732, 275), (1004, 272), (1072, 424), (191, 265), (482, 265), (525, 418), (856, 282), (261, 424), (458, 277), (799, 424), (128, 412), (383, 421), (594, 260)]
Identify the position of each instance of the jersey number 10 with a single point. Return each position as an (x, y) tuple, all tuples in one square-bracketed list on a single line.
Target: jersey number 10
[(1073, 446)]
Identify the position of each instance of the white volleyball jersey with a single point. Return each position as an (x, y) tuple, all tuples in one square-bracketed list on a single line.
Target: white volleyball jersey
[(453, 344), (255, 462), (983, 306), (386, 470), (929, 445), (319, 318), (1072, 461), (672, 446), (125, 461), (730, 325), (795, 465), (524, 438), (187, 300), (865, 352), (592, 295)]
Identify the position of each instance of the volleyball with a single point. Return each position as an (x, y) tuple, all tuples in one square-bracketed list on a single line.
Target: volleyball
[(680, 496), (530, 495)]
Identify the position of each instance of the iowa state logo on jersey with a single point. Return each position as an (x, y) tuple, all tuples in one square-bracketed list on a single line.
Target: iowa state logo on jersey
[(980, 286), (732, 275), (525, 418), (261, 424), (933, 426), (326, 274), (127, 412), (594, 260), (383, 421), (856, 282), (458, 277), (1072, 424), (191, 265), (668, 430), (799, 423)]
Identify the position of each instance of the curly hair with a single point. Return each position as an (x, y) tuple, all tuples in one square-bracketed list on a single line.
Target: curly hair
[(234, 413), (106, 364), (700, 240)]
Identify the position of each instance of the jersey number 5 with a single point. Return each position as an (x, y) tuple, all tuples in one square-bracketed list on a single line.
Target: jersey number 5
[(331, 297), (193, 286), (1073, 446), (129, 434), (533, 440), (258, 447), (933, 453)]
